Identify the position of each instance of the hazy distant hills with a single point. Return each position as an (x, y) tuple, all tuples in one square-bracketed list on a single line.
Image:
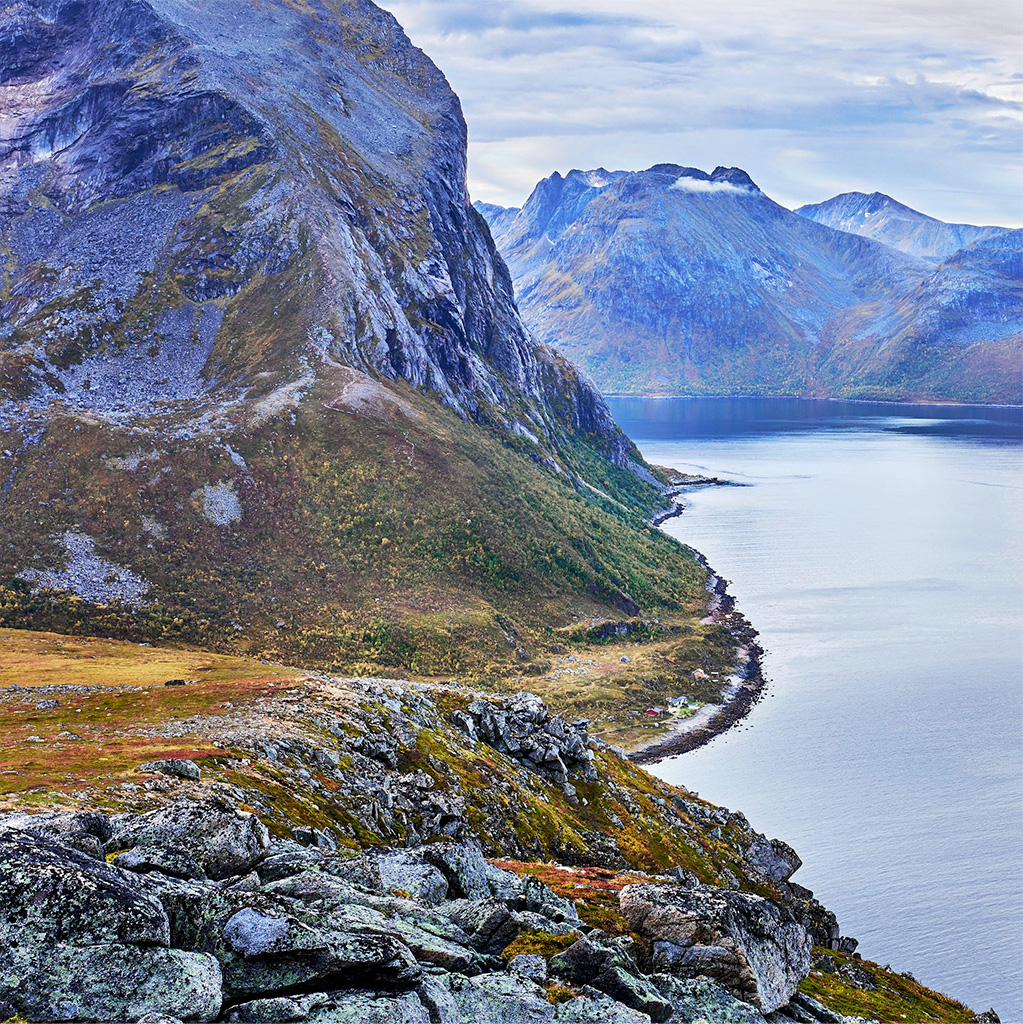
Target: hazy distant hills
[(880, 217), (675, 281)]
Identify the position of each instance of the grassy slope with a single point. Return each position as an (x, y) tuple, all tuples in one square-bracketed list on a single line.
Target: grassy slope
[(405, 541)]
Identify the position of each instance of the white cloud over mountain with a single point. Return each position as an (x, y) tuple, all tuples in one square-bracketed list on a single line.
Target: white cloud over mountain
[(922, 99)]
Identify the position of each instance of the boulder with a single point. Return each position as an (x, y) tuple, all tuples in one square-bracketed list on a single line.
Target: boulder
[(223, 839), (401, 871), (489, 924), (283, 865), (464, 867), (773, 859), (50, 893), (85, 831), (487, 999), (275, 953), (607, 967), (370, 1008), (529, 965), (167, 860), (697, 1000), (177, 767), (596, 1008), (109, 982), (752, 947)]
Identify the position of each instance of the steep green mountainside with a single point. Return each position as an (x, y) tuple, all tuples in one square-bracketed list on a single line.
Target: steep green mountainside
[(674, 281), (263, 386)]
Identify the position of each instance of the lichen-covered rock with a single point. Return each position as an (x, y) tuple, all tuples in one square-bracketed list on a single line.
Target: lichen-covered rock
[(371, 1008), (167, 860), (85, 831), (276, 954), (106, 982), (752, 947), (401, 871), (492, 999), (699, 1000), (223, 839), (465, 868), (774, 859), (293, 862), (489, 924), (610, 969), (177, 767), (50, 893)]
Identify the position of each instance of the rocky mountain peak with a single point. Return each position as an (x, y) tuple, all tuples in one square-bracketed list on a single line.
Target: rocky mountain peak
[(209, 203)]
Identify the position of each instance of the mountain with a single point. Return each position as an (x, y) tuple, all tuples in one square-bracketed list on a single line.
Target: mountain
[(675, 281), (880, 217), (263, 385)]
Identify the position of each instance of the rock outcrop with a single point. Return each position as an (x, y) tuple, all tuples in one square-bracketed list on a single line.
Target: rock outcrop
[(524, 729), (752, 947)]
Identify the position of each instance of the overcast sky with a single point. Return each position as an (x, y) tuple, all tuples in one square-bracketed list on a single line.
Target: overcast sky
[(922, 99)]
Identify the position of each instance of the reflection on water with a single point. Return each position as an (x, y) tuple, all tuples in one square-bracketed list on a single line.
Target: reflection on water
[(670, 418), (879, 553)]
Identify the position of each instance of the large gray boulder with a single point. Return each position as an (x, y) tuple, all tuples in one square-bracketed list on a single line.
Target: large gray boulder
[(85, 831), (400, 871), (753, 948), (224, 840), (165, 860), (697, 1000), (275, 953), (109, 982), (773, 858), (50, 893), (608, 967)]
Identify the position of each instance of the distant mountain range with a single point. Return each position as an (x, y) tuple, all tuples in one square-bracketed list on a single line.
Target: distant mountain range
[(675, 281)]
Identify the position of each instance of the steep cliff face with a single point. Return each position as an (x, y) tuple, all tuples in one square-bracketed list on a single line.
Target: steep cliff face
[(674, 281), (212, 199), (262, 378)]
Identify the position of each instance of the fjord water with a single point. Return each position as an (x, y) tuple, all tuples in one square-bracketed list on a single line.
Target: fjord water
[(879, 551)]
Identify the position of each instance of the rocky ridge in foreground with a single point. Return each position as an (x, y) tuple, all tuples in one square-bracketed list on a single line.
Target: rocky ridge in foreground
[(326, 861)]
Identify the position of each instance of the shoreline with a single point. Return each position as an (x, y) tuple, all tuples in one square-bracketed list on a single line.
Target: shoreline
[(746, 684)]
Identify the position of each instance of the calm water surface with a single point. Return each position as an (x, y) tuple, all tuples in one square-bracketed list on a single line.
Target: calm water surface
[(879, 550)]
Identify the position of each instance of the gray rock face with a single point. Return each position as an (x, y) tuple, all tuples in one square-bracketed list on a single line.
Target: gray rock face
[(699, 999), (284, 119), (610, 969), (524, 728), (51, 894), (105, 982), (168, 860), (399, 871), (750, 946), (177, 767), (85, 831), (774, 859), (334, 943), (223, 840)]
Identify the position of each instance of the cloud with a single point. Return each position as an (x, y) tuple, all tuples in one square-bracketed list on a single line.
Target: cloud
[(685, 184), (917, 98)]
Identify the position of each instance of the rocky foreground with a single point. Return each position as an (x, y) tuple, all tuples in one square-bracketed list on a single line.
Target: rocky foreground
[(362, 889), (202, 914)]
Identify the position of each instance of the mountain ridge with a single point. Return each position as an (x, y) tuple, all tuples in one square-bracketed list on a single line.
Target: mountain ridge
[(884, 219), (674, 281)]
